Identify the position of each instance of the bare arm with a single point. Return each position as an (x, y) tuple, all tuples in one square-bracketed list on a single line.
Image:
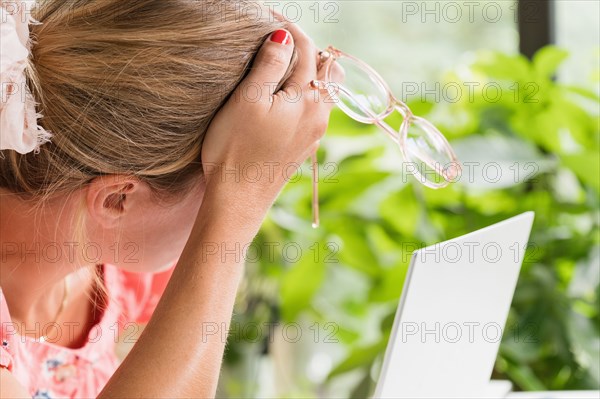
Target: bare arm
[(179, 354), (175, 356)]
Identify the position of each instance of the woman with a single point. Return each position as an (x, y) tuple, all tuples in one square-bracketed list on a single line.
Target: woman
[(150, 110)]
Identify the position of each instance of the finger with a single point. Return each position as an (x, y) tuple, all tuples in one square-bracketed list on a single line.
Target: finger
[(306, 69), (279, 16), (270, 65)]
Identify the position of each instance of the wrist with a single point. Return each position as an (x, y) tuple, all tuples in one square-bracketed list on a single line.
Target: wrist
[(252, 187), (237, 207)]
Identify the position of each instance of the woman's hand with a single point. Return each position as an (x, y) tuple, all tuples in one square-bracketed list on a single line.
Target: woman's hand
[(259, 138)]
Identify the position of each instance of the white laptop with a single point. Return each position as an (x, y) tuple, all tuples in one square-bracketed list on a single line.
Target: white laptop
[(452, 314)]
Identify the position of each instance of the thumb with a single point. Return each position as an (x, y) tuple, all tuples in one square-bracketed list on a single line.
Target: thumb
[(270, 65)]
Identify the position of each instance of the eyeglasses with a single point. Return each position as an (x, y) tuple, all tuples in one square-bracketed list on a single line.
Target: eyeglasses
[(360, 92)]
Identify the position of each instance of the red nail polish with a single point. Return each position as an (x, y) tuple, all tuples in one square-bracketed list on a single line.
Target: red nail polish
[(281, 36)]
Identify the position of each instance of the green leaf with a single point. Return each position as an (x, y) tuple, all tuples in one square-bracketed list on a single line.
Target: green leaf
[(388, 322), (363, 389), (389, 286), (356, 251), (385, 247), (524, 376), (401, 211), (359, 357), (583, 92), (299, 284), (494, 161), (586, 166), (341, 124), (547, 60), (586, 343), (586, 275), (503, 66)]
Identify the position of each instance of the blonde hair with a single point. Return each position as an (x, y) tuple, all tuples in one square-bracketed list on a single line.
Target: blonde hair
[(130, 87)]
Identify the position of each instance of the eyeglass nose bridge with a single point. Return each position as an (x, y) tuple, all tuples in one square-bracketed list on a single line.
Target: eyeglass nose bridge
[(403, 109)]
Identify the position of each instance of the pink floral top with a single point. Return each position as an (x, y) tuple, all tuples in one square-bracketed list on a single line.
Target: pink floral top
[(50, 371)]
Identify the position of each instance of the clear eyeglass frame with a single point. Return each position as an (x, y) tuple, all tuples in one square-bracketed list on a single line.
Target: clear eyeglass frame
[(434, 169)]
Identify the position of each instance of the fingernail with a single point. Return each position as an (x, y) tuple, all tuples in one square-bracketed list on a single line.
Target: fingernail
[(281, 36)]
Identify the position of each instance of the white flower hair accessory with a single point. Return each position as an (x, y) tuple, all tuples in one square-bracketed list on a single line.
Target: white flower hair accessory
[(19, 129)]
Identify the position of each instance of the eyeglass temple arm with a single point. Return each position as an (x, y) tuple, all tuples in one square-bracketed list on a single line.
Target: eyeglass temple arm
[(393, 134), (315, 182)]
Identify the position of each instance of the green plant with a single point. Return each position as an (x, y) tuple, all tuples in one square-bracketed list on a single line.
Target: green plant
[(543, 135)]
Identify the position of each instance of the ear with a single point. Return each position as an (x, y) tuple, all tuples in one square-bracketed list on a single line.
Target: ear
[(109, 198)]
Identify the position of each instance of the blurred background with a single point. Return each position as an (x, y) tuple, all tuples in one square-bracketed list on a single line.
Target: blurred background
[(512, 84)]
